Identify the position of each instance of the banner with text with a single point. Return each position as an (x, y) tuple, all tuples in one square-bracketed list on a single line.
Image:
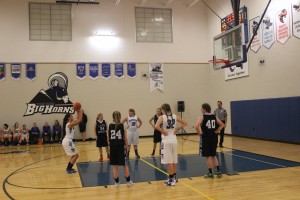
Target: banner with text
[(234, 72), (268, 29), (131, 70), (105, 74), (253, 26), (2, 71), (283, 32), (296, 18), (94, 70), (15, 71), (81, 71), (31, 71), (156, 76), (119, 70)]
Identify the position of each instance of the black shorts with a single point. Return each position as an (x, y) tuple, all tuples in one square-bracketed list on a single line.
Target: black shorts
[(101, 140), (157, 136), (82, 128), (209, 145), (117, 155)]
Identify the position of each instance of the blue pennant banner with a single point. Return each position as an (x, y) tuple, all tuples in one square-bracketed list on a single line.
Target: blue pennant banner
[(16, 71), (106, 70), (119, 70), (31, 71), (131, 70), (2, 71), (80, 71), (94, 71)]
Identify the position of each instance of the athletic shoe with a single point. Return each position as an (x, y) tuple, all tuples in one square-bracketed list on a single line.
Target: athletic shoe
[(176, 180), (170, 182), (221, 145), (129, 183), (71, 171), (101, 158), (152, 154), (209, 175), (219, 174), (117, 185), (138, 156), (108, 156)]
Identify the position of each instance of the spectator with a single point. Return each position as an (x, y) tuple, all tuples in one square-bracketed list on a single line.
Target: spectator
[(56, 131), (46, 133), (34, 134)]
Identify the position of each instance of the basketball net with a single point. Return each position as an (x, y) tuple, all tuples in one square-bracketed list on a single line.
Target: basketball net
[(217, 64)]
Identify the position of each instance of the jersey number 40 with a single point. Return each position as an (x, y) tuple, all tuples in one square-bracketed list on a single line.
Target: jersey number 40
[(211, 124)]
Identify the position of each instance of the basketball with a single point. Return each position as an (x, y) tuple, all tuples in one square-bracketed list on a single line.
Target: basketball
[(76, 106)]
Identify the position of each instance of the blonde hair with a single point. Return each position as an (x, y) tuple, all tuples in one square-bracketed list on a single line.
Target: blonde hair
[(98, 116), (117, 117)]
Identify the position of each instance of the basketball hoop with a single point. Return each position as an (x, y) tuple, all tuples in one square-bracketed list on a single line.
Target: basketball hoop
[(217, 64)]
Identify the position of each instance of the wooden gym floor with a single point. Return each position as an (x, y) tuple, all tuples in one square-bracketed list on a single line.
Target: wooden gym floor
[(38, 172)]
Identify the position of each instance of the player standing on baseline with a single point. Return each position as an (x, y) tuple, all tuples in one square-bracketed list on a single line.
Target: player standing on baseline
[(157, 134), (67, 142), (133, 136), (168, 130), (117, 138), (100, 129), (208, 123)]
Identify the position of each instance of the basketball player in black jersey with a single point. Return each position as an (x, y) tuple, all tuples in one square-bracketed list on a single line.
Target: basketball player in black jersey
[(208, 123), (157, 134), (117, 138), (100, 129)]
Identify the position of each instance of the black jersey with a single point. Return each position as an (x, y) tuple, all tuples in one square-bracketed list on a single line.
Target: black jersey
[(116, 135), (101, 127), (209, 125), (155, 118)]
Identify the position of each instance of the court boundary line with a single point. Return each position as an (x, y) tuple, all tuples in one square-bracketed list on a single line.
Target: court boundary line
[(185, 184)]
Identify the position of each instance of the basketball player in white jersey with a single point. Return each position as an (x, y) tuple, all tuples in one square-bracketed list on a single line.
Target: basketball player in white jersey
[(17, 132), (133, 123), (25, 135), (6, 134), (168, 130), (68, 143)]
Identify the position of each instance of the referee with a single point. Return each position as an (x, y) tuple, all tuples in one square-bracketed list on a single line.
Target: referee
[(221, 114)]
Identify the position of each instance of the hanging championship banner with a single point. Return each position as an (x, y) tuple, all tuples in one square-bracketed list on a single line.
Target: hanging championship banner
[(2, 71), (105, 70), (131, 70), (296, 18), (94, 71), (268, 29), (253, 26), (30, 71), (283, 23), (156, 76), (80, 71), (16, 71), (119, 70)]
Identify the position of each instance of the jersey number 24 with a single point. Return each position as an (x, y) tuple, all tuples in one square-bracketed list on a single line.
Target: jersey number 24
[(114, 135)]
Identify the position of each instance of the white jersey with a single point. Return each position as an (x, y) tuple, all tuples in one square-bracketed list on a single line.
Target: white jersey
[(70, 132), (169, 125), (5, 131), (132, 123), (17, 131)]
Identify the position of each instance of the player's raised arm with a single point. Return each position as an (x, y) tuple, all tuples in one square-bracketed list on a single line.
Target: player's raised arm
[(78, 120)]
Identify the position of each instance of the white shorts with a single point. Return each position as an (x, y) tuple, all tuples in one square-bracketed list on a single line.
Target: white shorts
[(69, 147), (169, 151), (132, 137), (7, 136), (17, 134), (24, 136)]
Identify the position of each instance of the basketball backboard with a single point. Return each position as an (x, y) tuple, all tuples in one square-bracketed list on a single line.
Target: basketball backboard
[(230, 48)]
